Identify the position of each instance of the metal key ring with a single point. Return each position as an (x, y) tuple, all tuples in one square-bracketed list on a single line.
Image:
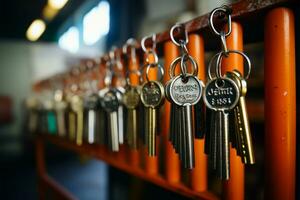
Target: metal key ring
[(179, 59), (152, 52), (222, 9), (219, 62), (179, 26), (184, 59), (210, 64), (135, 71), (161, 69), (143, 41)]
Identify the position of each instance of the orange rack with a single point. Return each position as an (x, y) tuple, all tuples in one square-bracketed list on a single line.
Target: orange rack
[(275, 25)]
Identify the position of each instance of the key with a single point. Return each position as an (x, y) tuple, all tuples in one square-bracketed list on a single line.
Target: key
[(131, 100), (186, 92), (77, 107), (60, 109), (152, 97), (32, 112), (120, 92), (110, 104), (50, 116), (72, 125), (243, 131), (92, 105), (199, 119), (221, 95)]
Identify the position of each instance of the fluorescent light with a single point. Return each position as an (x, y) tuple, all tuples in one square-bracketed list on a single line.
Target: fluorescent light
[(96, 23), (35, 30), (70, 40), (57, 4)]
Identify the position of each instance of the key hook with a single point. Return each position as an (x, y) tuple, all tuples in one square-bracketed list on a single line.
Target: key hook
[(221, 10), (182, 41), (131, 43), (153, 40)]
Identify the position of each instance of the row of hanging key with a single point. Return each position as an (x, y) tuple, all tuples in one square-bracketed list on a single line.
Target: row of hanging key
[(224, 97)]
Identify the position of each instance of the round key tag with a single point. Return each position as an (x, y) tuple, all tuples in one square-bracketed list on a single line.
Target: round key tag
[(186, 91), (92, 102), (152, 94), (110, 101), (221, 94), (131, 97)]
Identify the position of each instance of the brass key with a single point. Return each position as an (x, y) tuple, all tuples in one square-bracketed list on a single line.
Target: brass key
[(77, 107), (131, 100), (60, 108), (243, 129), (152, 96)]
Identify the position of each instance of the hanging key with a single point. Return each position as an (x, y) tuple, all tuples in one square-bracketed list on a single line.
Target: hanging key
[(186, 91), (131, 100), (110, 104), (244, 143), (77, 107), (60, 109), (152, 97), (92, 105), (220, 95)]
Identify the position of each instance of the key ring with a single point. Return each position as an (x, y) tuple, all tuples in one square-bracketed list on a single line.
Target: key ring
[(186, 38), (135, 71), (219, 62), (225, 10), (214, 58), (182, 60), (149, 53), (161, 69)]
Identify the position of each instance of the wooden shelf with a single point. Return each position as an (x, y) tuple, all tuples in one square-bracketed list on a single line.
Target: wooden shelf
[(115, 160)]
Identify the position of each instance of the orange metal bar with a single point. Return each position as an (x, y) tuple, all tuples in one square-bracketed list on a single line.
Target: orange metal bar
[(172, 164), (280, 104), (199, 173), (151, 162), (233, 189), (134, 155)]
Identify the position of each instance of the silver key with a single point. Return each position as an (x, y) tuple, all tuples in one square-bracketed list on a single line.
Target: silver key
[(110, 104), (186, 92), (221, 95)]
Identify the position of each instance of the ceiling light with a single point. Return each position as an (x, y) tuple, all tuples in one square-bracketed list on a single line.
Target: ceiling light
[(35, 30), (57, 4), (49, 13)]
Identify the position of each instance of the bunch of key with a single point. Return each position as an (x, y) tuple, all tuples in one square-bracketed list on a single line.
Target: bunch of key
[(131, 100), (111, 98), (152, 94), (183, 91), (92, 112), (224, 96)]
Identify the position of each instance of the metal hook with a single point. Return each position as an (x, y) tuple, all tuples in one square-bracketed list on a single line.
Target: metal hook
[(179, 26), (143, 41), (226, 11)]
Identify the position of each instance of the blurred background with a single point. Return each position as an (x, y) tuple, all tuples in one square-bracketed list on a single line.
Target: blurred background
[(40, 38)]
